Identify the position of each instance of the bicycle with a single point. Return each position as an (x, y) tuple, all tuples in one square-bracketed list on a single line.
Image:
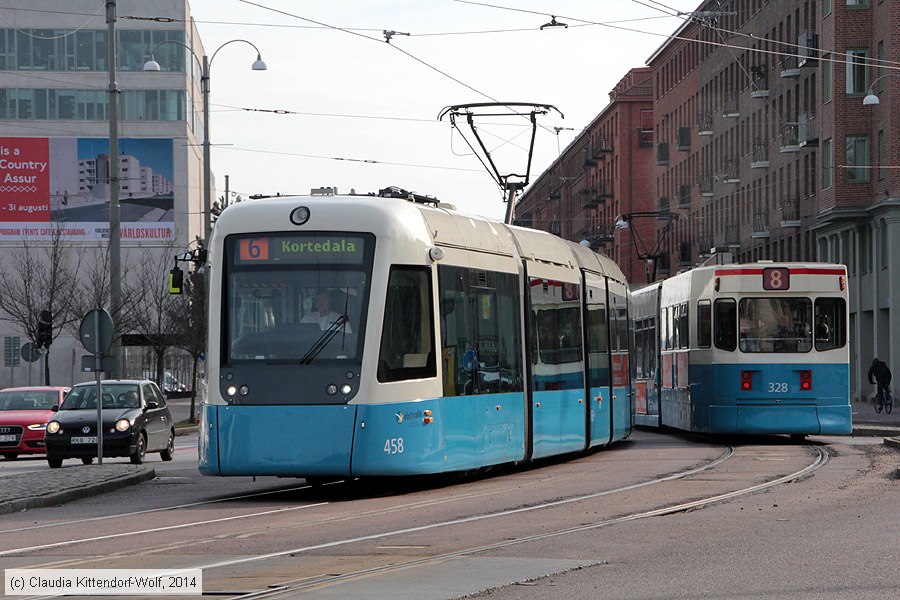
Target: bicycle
[(884, 401)]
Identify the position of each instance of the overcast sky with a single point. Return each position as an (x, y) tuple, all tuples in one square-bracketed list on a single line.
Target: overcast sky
[(352, 96)]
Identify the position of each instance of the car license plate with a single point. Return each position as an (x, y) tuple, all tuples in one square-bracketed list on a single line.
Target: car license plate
[(7, 438), (85, 440)]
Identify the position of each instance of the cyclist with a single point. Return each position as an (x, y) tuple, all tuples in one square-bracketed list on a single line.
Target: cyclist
[(882, 375)]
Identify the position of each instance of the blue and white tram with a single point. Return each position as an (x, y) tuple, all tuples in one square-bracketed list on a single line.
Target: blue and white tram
[(756, 348), (368, 335)]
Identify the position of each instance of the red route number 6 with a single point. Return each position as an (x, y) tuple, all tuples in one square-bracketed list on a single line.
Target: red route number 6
[(776, 279), (254, 249)]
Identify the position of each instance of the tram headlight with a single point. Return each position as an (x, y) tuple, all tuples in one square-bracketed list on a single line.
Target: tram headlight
[(346, 389), (231, 390), (243, 390), (300, 215), (331, 389)]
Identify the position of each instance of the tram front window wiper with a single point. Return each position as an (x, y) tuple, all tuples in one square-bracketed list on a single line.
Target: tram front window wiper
[(324, 339)]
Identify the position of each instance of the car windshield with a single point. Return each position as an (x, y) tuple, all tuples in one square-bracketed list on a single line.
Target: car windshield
[(114, 396), (28, 400)]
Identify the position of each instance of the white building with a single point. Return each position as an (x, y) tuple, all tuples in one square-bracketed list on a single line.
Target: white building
[(54, 120)]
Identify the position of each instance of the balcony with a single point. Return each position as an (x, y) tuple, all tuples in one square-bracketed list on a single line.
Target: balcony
[(706, 245), (760, 226), (808, 52), (760, 155), (645, 137), (662, 208), (705, 185), (733, 236), (555, 193), (807, 130), (704, 123), (760, 81), (554, 227), (603, 190), (663, 264), (730, 108), (684, 139), (601, 148), (662, 154), (789, 67), (732, 173), (790, 212), (684, 196), (588, 159), (790, 141), (604, 234)]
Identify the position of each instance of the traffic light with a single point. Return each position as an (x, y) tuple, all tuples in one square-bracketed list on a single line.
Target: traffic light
[(176, 281), (45, 329)]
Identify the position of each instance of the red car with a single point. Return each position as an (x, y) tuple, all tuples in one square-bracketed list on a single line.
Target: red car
[(24, 413)]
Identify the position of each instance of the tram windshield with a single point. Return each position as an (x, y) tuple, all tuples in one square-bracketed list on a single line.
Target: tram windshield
[(296, 297), (775, 325)]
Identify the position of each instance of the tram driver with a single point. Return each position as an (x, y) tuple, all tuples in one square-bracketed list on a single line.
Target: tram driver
[(323, 314)]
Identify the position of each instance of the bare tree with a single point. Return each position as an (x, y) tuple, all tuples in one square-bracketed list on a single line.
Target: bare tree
[(152, 310), (93, 291), (39, 276)]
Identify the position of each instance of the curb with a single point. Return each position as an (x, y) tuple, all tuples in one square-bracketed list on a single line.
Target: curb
[(876, 431), (892, 442), (138, 475), (186, 430)]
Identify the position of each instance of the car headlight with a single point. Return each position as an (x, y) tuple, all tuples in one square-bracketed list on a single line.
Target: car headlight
[(53, 427), (37, 427), (123, 425)]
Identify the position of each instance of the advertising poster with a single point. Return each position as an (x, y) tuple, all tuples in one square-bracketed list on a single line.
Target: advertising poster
[(50, 184)]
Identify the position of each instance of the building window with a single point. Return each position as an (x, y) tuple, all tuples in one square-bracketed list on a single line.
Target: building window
[(826, 8), (827, 69), (857, 71), (827, 162), (857, 158), (858, 3)]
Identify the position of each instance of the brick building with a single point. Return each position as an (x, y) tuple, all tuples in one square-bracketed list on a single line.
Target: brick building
[(764, 148), (602, 174)]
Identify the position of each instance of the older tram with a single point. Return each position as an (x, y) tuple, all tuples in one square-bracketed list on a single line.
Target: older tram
[(745, 349)]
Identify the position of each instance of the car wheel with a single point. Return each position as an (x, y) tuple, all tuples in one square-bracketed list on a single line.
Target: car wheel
[(87, 460), (54, 463), (137, 458), (11, 456), (169, 452)]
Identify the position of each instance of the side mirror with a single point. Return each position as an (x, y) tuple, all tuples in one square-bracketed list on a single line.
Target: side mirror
[(54, 408), (152, 405)]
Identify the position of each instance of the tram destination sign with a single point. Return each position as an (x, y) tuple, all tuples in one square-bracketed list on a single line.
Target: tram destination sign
[(301, 249)]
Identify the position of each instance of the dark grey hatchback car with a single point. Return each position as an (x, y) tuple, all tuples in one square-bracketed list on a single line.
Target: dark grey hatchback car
[(135, 421)]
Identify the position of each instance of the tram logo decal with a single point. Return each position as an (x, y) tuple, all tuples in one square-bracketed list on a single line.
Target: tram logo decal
[(411, 417)]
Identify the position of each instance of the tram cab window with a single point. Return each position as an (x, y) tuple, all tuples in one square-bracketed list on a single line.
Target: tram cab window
[(407, 344), (830, 327), (781, 325), (725, 324)]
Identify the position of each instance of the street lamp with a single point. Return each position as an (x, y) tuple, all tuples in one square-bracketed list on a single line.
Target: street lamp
[(871, 99), (206, 62)]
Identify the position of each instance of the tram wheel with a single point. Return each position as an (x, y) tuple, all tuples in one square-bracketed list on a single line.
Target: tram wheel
[(798, 437)]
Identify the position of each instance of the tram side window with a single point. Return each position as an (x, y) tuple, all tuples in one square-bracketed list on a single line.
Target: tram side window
[(407, 346), (704, 324), (683, 329), (830, 323), (481, 337), (598, 345), (556, 323), (725, 324)]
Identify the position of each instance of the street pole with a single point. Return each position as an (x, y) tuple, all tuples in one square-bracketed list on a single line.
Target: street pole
[(207, 169), (115, 242)]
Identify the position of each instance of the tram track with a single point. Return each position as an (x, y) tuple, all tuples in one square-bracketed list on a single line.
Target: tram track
[(312, 582)]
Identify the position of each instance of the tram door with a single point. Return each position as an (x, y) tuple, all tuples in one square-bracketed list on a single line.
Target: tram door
[(599, 392), (622, 408)]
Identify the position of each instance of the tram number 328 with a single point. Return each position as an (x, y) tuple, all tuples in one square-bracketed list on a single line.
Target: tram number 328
[(393, 446), (778, 387)]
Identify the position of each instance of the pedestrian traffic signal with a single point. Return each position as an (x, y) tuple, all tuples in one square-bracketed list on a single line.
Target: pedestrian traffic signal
[(45, 329)]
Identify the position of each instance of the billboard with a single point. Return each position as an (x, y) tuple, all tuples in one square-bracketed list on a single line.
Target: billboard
[(63, 183)]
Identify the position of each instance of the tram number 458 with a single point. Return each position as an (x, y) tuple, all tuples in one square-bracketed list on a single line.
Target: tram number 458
[(393, 446)]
